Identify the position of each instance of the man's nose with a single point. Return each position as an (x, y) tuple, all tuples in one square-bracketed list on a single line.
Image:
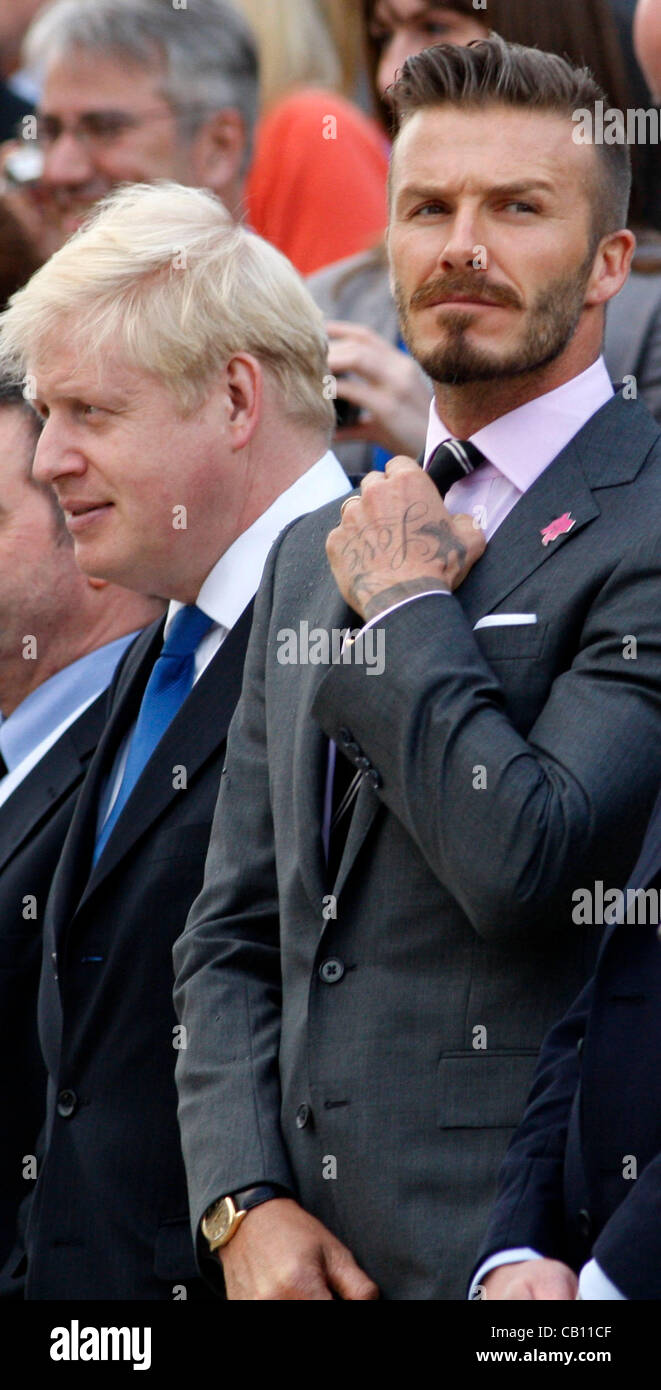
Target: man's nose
[(54, 457), (461, 241), (67, 161)]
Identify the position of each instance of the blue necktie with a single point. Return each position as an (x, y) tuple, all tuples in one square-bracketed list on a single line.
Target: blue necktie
[(170, 682)]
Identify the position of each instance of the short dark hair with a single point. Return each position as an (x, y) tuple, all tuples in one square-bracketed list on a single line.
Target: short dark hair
[(12, 398), (493, 72)]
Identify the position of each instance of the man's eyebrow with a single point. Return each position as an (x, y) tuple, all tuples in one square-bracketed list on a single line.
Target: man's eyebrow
[(436, 193)]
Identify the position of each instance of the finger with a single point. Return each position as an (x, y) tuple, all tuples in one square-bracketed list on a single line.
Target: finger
[(472, 536), (402, 464), (348, 504), (358, 332), (376, 365), (346, 1277)]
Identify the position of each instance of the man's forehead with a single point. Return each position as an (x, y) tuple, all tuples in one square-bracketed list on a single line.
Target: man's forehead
[(501, 141), (80, 79), (60, 376)]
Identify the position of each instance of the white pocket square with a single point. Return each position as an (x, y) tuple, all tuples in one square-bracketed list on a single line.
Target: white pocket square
[(506, 620)]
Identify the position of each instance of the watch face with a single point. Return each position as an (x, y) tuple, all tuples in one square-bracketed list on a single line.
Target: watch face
[(217, 1222)]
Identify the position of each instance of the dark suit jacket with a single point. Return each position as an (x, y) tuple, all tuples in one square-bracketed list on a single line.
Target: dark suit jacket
[(583, 1175), (33, 823), (407, 1060), (109, 1217)]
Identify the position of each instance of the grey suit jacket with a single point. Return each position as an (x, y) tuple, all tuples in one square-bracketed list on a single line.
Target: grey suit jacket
[(382, 1089), (358, 290)]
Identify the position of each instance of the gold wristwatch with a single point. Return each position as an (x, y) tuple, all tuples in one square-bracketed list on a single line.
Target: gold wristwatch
[(222, 1219)]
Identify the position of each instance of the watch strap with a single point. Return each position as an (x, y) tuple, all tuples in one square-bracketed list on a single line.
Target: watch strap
[(250, 1197)]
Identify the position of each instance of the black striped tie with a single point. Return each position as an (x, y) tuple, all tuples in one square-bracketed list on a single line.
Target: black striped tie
[(455, 459)]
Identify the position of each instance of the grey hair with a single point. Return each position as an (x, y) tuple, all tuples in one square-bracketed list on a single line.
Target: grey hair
[(207, 49)]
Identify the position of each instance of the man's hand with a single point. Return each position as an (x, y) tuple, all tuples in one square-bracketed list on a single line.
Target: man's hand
[(542, 1280), (398, 539), (387, 384), (281, 1253), (29, 204)]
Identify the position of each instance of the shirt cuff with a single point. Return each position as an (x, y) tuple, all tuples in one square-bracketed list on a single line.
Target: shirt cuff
[(503, 1257), (446, 593), (594, 1284)]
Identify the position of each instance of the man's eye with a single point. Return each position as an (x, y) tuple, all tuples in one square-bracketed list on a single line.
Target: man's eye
[(437, 28), (429, 210), (104, 125), (519, 206)]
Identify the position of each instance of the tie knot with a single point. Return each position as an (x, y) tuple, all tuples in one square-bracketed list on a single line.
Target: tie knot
[(455, 459), (186, 632)]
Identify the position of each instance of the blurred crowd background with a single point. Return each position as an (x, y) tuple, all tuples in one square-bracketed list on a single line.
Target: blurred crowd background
[(300, 153)]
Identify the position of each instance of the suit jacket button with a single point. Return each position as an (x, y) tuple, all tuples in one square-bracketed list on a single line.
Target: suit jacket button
[(374, 779), (67, 1104), (584, 1223), (303, 1116), (346, 736), (331, 971), (363, 763)]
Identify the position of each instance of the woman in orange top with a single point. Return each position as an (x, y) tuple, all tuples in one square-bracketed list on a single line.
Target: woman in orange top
[(317, 187)]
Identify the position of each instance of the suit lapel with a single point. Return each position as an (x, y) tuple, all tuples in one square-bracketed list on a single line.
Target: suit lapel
[(50, 780), (69, 879), (195, 733), (517, 550), (608, 451)]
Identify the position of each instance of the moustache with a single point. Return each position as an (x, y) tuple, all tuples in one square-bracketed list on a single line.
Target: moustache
[(481, 290)]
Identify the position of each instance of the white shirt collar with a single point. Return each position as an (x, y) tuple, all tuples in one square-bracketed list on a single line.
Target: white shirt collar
[(522, 443), (234, 579)]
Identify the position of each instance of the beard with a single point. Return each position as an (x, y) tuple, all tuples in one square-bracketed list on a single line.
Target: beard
[(550, 325)]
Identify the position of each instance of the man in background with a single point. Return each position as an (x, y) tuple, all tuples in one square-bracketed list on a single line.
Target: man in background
[(62, 635), (178, 449), (580, 1189), (386, 920), (134, 91)]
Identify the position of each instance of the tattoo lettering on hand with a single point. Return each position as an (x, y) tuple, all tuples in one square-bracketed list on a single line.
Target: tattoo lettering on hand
[(398, 540)]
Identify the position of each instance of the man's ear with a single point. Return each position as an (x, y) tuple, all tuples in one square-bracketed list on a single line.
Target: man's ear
[(218, 151), (244, 382), (611, 267)]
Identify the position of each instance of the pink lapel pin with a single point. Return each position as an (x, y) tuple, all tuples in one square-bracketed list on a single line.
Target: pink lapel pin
[(559, 527)]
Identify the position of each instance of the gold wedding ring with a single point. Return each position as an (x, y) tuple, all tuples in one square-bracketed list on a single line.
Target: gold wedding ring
[(353, 498)]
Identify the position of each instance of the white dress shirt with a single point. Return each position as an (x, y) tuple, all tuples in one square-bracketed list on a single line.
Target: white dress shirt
[(235, 578), (518, 447)]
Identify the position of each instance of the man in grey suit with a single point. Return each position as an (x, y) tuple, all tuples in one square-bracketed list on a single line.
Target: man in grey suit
[(365, 979)]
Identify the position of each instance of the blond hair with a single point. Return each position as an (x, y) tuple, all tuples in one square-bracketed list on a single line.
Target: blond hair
[(163, 272)]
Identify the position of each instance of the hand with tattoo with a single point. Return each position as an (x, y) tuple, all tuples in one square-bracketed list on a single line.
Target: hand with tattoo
[(398, 539)]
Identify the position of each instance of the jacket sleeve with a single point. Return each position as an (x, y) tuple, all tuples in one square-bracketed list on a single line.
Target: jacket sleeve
[(628, 1248), (529, 1208), (551, 815), (227, 992)]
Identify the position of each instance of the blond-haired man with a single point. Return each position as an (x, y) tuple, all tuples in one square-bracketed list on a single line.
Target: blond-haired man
[(185, 424)]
